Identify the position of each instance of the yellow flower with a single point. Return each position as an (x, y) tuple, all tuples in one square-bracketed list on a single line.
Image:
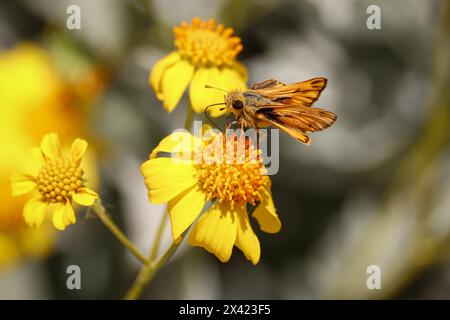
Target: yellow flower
[(233, 186), (58, 182), (36, 97), (206, 55)]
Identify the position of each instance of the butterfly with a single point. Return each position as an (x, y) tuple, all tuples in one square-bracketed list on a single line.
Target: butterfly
[(287, 107)]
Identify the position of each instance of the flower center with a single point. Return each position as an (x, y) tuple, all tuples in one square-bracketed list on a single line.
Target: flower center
[(232, 177), (58, 179), (205, 44)]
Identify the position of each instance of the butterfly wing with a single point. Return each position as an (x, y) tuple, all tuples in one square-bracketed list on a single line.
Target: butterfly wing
[(300, 136), (303, 93), (288, 107), (297, 120), (271, 83)]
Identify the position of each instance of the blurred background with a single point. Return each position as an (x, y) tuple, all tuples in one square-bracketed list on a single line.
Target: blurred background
[(372, 190)]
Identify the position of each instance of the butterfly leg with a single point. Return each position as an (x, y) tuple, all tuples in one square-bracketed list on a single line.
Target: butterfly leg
[(227, 123), (230, 124)]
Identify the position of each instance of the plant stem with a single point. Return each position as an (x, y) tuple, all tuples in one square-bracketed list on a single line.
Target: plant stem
[(99, 209), (148, 271), (150, 268), (156, 244)]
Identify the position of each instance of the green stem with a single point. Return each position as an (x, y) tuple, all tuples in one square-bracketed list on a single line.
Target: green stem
[(99, 209), (150, 268), (156, 244), (148, 272)]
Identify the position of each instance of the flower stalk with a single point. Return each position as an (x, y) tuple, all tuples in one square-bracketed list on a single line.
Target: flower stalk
[(151, 267), (100, 211), (159, 234)]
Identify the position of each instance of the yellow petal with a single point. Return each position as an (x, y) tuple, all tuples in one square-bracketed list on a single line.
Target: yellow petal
[(37, 154), (158, 71), (85, 197), (21, 184), (58, 217), (78, 149), (266, 214), (184, 209), (179, 141), (165, 178), (70, 214), (246, 239), (34, 211), (200, 96), (233, 80), (242, 70), (216, 231), (50, 146), (174, 82), (217, 112), (39, 161), (63, 215)]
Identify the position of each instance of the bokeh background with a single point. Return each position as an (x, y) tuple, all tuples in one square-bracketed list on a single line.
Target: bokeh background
[(372, 190)]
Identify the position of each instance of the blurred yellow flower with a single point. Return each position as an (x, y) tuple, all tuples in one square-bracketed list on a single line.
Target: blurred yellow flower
[(35, 98), (206, 55), (234, 185), (29, 242), (58, 182)]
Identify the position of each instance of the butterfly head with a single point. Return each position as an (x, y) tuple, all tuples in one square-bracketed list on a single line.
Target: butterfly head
[(235, 101)]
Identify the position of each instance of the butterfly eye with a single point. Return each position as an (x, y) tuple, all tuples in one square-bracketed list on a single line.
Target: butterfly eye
[(237, 104)]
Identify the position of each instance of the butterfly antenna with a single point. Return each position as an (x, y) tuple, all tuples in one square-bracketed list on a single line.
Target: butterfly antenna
[(207, 116), (207, 86)]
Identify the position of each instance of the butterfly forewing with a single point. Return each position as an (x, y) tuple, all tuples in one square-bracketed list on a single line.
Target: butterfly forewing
[(302, 93)]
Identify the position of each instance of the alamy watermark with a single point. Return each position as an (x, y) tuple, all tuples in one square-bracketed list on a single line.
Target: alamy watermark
[(73, 21), (374, 278), (373, 21), (73, 281), (234, 146)]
